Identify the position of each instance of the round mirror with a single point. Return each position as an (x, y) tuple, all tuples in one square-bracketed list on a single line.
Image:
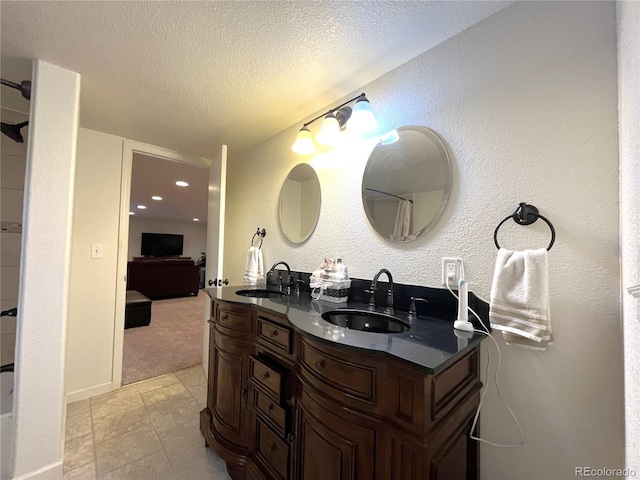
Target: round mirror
[(299, 206), (406, 183)]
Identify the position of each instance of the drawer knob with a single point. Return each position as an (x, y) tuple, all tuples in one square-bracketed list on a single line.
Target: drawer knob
[(270, 407), (274, 333), (273, 447), (320, 364), (265, 375), (224, 317)]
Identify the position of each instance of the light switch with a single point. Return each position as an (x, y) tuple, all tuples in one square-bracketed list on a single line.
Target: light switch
[(96, 250)]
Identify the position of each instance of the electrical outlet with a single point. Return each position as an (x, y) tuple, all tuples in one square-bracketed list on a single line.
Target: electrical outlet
[(451, 271)]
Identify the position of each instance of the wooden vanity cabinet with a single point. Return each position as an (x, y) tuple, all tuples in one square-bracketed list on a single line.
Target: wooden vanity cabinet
[(226, 422), (351, 400), (315, 410)]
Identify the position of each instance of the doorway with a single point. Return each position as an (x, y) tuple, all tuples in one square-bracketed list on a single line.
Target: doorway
[(132, 149), (166, 245)]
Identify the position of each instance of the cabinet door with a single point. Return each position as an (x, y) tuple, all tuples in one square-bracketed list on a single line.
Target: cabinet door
[(329, 447), (228, 400)]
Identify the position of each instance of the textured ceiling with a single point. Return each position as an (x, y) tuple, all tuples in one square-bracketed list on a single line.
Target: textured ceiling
[(193, 75)]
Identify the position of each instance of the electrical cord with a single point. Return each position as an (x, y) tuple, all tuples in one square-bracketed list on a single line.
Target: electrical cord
[(487, 333)]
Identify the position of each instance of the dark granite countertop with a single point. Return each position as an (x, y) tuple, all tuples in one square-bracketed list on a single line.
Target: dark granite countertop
[(431, 343)]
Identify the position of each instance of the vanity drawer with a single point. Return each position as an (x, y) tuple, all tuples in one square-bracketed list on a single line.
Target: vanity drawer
[(272, 450), (271, 412), (268, 377), (234, 320), (274, 335), (338, 373)]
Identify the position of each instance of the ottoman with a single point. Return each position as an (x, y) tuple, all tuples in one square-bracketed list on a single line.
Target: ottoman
[(138, 310)]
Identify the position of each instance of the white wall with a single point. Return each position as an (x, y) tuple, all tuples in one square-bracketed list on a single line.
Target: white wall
[(95, 331), (12, 169), (195, 234), (629, 106), (39, 407), (526, 104), (93, 281)]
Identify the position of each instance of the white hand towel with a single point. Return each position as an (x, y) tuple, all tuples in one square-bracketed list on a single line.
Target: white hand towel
[(519, 304), (251, 267), (403, 219), (260, 269)]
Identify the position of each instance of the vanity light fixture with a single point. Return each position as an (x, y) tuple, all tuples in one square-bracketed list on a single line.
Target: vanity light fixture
[(182, 183), (360, 119), (156, 198)]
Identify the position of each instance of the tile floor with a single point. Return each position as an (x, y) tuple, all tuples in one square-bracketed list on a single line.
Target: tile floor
[(145, 431)]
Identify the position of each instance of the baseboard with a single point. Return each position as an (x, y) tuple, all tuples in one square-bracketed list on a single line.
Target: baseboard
[(89, 392), (52, 471)]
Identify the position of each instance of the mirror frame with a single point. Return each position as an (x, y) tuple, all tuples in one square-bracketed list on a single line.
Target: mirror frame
[(281, 202), (447, 183)]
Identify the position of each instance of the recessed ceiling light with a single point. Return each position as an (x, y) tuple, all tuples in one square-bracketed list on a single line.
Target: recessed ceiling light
[(196, 219), (156, 197), (141, 207), (182, 183), (131, 213)]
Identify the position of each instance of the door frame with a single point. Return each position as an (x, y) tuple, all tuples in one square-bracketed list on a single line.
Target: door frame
[(129, 147)]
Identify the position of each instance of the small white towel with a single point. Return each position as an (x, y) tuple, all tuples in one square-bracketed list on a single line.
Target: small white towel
[(251, 267), (260, 262), (254, 267), (402, 225), (520, 298)]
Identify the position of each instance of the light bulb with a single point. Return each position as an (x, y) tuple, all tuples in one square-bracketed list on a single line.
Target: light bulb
[(329, 134), (362, 119), (304, 143), (389, 138)]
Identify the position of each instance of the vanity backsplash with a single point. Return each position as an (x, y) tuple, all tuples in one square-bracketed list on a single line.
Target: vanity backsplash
[(441, 304)]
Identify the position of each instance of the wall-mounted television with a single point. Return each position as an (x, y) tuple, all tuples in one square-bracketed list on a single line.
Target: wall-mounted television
[(161, 244)]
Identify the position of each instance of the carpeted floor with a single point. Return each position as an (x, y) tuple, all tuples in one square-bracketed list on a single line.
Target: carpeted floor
[(171, 342)]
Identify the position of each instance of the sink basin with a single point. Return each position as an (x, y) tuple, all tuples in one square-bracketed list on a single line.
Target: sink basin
[(365, 321), (259, 293)]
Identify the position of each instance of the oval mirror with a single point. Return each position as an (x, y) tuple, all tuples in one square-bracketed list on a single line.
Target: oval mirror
[(299, 206), (406, 184)]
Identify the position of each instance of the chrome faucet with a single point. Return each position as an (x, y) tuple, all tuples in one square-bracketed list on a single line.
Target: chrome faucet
[(272, 270), (374, 286)]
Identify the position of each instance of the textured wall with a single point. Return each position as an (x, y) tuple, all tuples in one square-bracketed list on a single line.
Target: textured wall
[(39, 407), (526, 103), (12, 168), (194, 241), (629, 106)]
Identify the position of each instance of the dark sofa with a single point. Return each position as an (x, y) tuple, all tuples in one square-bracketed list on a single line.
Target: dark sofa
[(165, 277)]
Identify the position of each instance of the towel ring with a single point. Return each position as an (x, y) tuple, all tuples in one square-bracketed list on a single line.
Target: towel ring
[(261, 234), (526, 214)]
